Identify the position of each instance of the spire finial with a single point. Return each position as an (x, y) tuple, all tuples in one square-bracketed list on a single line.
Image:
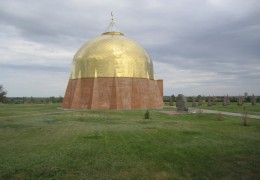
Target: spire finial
[(112, 16), (112, 27)]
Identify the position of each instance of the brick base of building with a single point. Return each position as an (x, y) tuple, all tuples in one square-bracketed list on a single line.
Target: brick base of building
[(113, 93)]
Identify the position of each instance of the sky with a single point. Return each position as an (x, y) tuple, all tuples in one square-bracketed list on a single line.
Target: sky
[(198, 47)]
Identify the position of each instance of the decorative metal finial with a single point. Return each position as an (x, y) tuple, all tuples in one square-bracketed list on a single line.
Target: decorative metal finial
[(112, 16), (112, 30)]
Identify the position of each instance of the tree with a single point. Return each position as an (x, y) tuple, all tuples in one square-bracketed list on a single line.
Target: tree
[(2, 94), (31, 100), (52, 99), (248, 99), (60, 99), (258, 99), (173, 97)]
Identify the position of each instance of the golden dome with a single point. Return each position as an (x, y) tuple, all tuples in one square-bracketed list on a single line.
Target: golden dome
[(112, 55)]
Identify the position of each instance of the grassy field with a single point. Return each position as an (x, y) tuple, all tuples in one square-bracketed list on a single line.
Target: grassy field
[(124, 145)]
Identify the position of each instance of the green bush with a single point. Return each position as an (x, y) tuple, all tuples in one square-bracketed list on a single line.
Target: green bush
[(147, 114)]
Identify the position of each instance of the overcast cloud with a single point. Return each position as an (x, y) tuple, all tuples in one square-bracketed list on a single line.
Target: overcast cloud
[(207, 47)]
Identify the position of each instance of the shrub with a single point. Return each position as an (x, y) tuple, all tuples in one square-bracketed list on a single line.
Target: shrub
[(147, 114)]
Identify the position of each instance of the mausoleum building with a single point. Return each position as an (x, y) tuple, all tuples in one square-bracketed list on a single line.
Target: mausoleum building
[(112, 72)]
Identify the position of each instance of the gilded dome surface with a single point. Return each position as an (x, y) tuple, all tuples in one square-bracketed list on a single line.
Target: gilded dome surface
[(112, 55)]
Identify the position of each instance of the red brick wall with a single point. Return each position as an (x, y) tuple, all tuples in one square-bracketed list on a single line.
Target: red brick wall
[(160, 85), (113, 93)]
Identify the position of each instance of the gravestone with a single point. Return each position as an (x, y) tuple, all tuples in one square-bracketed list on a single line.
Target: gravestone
[(209, 101), (224, 103), (240, 101), (171, 101), (228, 100), (213, 101), (194, 104), (181, 103), (200, 101)]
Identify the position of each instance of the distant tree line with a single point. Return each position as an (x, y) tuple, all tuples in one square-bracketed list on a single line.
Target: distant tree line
[(35, 100), (27, 100)]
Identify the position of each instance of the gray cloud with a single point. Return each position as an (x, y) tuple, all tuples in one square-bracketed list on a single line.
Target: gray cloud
[(198, 47)]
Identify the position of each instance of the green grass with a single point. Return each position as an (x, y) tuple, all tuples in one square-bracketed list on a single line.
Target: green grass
[(124, 145), (23, 109)]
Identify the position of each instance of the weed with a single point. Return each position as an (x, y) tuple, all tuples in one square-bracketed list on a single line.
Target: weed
[(219, 116), (244, 117)]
